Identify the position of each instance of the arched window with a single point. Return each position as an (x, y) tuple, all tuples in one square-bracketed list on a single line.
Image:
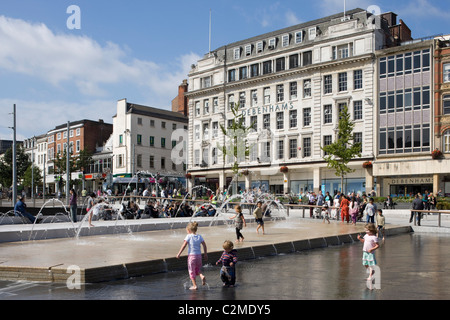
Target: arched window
[(446, 141)]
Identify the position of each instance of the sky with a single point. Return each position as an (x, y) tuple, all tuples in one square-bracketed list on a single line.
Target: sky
[(140, 50)]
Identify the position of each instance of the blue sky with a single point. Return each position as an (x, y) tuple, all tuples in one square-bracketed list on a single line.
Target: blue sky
[(139, 49)]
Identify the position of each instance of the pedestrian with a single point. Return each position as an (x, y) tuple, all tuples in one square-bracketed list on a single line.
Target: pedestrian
[(194, 242), (325, 213), (370, 210), (258, 214), (381, 221), (20, 210), (417, 204), (370, 241), (345, 209), (240, 223), (228, 261), (335, 210), (73, 205), (354, 210)]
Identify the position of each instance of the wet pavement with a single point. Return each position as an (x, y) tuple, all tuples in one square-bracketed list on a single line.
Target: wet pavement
[(412, 266)]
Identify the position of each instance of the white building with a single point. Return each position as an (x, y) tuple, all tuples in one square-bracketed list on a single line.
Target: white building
[(291, 84), (142, 142)]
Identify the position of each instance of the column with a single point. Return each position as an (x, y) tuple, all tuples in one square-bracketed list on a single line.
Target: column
[(316, 178)]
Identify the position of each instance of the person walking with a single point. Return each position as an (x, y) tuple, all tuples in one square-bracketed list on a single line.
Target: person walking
[(345, 209), (228, 261), (417, 204), (258, 214), (370, 210), (370, 241), (73, 205), (240, 223), (354, 210), (194, 242)]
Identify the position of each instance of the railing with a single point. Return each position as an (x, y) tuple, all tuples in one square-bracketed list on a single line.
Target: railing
[(440, 213)]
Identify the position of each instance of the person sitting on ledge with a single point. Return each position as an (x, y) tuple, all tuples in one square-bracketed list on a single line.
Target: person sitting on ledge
[(20, 210)]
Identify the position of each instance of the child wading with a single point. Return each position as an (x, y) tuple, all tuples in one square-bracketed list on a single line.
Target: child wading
[(370, 241), (194, 242), (239, 223), (228, 261)]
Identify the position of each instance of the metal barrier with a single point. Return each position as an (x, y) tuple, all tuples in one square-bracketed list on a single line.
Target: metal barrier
[(415, 212)]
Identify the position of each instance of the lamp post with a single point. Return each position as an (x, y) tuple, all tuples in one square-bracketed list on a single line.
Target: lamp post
[(14, 159)]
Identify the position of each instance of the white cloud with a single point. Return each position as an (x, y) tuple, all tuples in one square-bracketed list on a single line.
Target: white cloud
[(330, 7), (423, 9), (62, 59), (292, 19)]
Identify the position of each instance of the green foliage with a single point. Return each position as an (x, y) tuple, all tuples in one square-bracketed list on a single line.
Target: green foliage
[(23, 162), (236, 144), (343, 150)]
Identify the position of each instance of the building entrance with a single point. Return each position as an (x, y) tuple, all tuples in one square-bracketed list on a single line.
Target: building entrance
[(409, 190)]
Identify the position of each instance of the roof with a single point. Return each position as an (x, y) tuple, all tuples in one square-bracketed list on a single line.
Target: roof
[(156, 113)]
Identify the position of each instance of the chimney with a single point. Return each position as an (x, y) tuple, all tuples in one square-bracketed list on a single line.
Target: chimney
[(180, 103)]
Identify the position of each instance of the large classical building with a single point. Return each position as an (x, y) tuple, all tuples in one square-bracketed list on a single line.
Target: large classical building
[(290, 85)]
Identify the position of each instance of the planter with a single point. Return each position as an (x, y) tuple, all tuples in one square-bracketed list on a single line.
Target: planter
[(367, 165), (284, 170), (436, 154)]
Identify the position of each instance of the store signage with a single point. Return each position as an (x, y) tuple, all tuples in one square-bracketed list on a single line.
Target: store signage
[(267, 109), (402, 181)]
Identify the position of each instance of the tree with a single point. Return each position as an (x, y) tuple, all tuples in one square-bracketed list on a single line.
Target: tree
[(343, 150), (22, 160), (237, 144), (29, 173)]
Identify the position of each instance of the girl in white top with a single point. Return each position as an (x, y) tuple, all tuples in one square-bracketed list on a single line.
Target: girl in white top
[(370, 241), (194, 242)]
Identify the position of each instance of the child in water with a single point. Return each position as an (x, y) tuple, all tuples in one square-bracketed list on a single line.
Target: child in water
[(228, 260), (194, 242), (370, 241), (239, 223)]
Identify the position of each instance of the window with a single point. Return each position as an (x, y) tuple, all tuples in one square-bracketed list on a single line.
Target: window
[(242, 100), (358, 79), (446, 141), (215, 129), (78, 146), (306, 117), (139, 160), (121, 140), (120, 161), (254, 70), (215, 105), (248, 50), (280, 149), (357, 138), (267, 67), (206, 131), (307, 58), (163, 124), (293, 153), (294, 61), (206, 107), (259, 46), (197, 133), (139, 122), (243, 73), (266, 95), (307, 88), (293, 90), (299, 37), (254, 97), (237, 53), (197, 109), (139, 139), (306, 147), (447, 72), (254, 152), (280, 64), (163, 163), (163, 143), (197, 158), (446, 105), (342, 81), (254, 122), (214, 156), (293, 119), (152, 141), (342, 52), (312, 33), (206, 82), (327, 140), (152, 123), (265, 151), (266, 121), (272, 43), (78, 132), (328, 114), (357, 110), (383, 68), (285, 40), (230, 101), (280, 120), (231, 75), (280, 92), (174, 126), (328, 84)]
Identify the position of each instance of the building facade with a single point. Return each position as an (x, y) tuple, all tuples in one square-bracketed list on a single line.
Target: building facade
[(143, 142), (290, 86)]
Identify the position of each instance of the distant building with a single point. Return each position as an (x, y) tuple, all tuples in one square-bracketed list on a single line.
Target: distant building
[(142, 142)]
